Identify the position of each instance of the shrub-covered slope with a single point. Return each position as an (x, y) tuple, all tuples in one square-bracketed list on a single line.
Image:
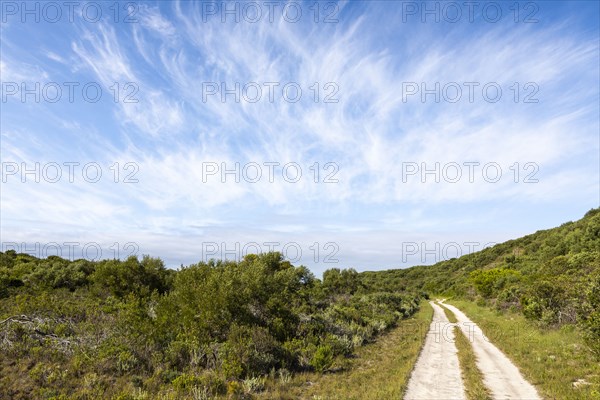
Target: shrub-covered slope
[(551, 276)]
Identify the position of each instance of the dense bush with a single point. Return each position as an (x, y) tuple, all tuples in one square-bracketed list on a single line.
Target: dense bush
[(114, 328), (590, 315)]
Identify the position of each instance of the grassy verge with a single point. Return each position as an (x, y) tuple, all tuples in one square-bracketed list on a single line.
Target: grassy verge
[(555, 361), (379, 371), (472, 376), (449, 314)]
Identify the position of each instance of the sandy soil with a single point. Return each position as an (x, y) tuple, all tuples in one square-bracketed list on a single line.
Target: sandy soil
[(500, 375), (437, 375)]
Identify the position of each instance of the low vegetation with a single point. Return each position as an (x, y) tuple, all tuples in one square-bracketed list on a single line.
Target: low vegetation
[(134, 329), (380, 370)]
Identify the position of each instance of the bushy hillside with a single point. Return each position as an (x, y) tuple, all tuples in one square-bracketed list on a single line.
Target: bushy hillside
[(134, 329), (551, 276)]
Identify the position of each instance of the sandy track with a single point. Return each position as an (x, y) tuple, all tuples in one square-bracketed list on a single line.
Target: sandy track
[(437, 375), (500, 375)]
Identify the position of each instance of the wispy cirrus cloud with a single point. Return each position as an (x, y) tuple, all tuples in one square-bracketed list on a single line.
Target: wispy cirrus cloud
[(371, 134)]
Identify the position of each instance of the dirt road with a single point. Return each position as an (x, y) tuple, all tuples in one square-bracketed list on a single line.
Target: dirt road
[(500, 375), (437, 374)]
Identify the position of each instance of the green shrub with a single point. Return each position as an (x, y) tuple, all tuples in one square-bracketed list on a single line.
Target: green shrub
[(209, 381), (234, 388), (589, 315), (531, 308), (322, 359), (253, 385), (488, 282)]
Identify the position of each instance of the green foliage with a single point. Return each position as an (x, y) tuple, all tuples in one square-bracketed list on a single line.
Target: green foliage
[(133, 329), (336, 281), (322, 359), (489, 282), (545, 276), (590, 316), (131, 276)]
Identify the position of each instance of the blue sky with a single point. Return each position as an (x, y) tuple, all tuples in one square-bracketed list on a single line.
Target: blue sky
[(155, 75)]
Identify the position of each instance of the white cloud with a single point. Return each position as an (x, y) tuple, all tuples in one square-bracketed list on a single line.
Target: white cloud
[(369, 133)]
